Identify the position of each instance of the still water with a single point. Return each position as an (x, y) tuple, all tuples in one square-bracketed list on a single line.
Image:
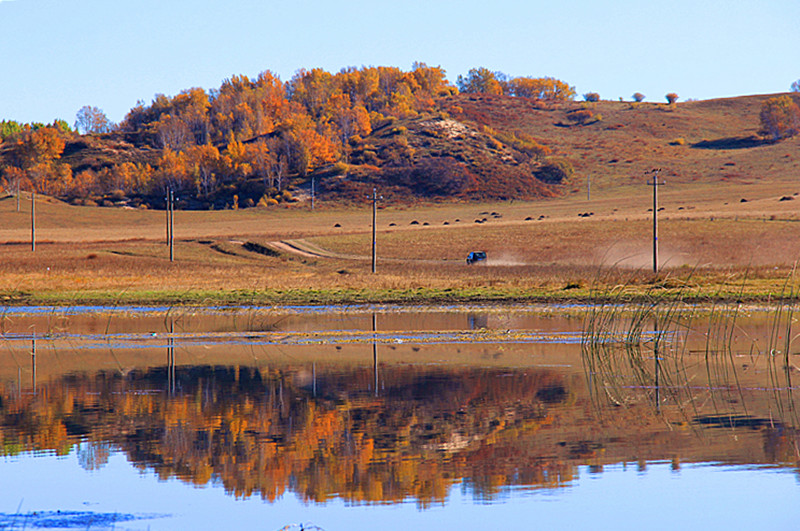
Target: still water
[(366, 417)]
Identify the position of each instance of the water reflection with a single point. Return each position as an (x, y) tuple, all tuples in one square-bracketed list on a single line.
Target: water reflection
[(373, 422), (264, 432), (320, 431)]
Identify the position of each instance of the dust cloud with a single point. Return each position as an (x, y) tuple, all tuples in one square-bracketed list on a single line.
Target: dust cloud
[(505, 259), (637, 256)]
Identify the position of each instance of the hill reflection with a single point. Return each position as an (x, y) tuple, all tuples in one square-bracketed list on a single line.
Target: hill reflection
[(326, 431)]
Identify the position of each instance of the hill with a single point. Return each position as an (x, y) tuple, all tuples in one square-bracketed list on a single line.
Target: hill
[(512, 144), (468, 146), (712, 140)]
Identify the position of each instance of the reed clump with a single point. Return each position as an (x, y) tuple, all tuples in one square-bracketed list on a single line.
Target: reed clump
[(662, 350)]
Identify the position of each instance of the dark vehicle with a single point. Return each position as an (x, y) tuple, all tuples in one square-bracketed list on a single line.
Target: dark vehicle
[(476, 256)]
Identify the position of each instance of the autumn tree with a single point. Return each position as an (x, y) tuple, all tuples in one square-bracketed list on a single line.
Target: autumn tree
[(236, 159), (638, 97), (591, 97), (172, 132), (260, 159), (312, 89), (14, 178), (9, 128), (480, 81), (301, 146), (281, 150), (191, 107), (796, 86), (35, 152), (780, 118), (84, 184), (36, 146), (432, 80), (91, 120), (671, 98), (248, 108), (348, 119), (542, 88), (172, 172), (61, 125), (50, 178)]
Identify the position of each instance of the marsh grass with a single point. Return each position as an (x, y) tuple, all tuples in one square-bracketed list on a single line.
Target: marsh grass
[(658, 350)]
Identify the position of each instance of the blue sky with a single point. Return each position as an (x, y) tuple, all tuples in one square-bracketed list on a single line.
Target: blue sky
[(59, 55)]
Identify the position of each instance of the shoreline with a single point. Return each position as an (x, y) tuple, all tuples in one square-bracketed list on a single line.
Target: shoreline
[(403, 297)]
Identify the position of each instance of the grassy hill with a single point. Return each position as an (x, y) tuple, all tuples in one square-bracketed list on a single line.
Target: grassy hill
[(708, 141), (483, 147)]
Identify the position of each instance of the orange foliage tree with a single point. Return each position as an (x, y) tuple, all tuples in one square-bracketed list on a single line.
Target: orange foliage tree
[(542, 88), (35, 152), (780, 118)]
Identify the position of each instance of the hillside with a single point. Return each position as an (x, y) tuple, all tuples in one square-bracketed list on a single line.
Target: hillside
[(712, 140), (464, 146)]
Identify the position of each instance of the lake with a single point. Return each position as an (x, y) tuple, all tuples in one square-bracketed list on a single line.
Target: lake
[(365, 417)]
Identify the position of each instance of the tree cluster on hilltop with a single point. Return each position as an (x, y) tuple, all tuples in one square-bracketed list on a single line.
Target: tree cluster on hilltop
[(249, 141)]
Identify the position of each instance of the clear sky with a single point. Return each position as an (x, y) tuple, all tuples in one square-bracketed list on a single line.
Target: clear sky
[(59, 55)]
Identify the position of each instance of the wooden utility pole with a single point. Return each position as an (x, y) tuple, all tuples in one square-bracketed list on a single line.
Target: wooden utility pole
[(655, 184), (17, 194), (33, 221), (312, 192), (166, 213), (33, 362), (589, 187), (171, 226), (375, 351), (374, 233), (171, 357)]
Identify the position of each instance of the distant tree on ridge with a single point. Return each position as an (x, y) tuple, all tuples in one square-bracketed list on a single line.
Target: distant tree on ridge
[(89, 120), (780, 118)]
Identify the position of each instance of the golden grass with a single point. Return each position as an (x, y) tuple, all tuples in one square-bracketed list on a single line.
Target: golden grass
[(718, 245)]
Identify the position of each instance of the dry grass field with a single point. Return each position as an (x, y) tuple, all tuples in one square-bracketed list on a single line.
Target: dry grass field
[(711, 244)]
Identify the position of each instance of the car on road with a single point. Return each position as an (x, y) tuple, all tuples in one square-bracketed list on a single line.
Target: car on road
[(476, 256)]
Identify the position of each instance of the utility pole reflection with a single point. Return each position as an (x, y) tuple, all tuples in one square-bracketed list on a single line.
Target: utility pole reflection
[(33, 363), (656, 356), (375, 351), (171, 358)]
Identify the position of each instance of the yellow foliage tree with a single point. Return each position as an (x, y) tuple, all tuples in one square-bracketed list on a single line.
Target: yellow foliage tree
[(780, 118)]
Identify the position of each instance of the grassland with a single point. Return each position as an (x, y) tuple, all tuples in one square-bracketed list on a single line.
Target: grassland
[(712, 246)]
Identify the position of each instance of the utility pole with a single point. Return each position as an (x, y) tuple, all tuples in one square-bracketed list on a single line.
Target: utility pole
[(589, 187), (312, 192), (33, 221), (171, 226), (374, 237), (166, 213), (171, 357), (655, 184), (17, 194), (375, 351)]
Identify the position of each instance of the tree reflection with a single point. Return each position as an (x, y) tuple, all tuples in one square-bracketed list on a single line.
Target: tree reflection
[(321, 432)]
